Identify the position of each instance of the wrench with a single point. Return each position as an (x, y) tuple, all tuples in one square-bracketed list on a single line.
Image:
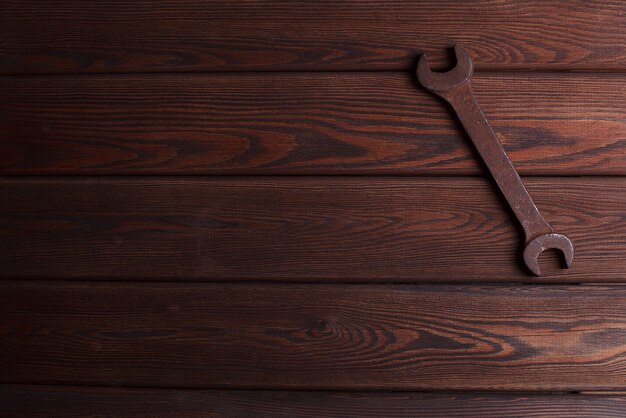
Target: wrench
[(454, 87)]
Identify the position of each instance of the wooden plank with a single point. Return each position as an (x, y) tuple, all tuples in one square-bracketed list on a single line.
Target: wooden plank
[(315, 336), (343, 123), (333, 228), (67, 401), (199, 35)]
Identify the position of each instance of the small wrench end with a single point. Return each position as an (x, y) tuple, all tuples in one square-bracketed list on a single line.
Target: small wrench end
[(543, 242), (442, 83)]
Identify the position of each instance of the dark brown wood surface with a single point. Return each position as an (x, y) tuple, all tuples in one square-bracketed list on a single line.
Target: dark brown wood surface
[(305, 123), (198, 35), (66, 401), (303, 336), (296, 228), (174, 294)]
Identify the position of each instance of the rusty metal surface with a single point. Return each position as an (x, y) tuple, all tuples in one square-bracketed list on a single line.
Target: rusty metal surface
[(454, 87)]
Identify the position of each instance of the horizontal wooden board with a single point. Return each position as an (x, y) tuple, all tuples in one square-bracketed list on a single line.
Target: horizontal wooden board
[(315, 336), (294, 228), (67, 401), (304, 123), (194, 35)]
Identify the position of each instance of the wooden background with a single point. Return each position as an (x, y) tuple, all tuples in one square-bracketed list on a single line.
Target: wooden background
[(252, 209)]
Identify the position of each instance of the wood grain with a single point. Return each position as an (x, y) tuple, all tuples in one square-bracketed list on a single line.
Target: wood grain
[(290, 228), (315, 336), (67, 401), (342, 123), (198, 35)]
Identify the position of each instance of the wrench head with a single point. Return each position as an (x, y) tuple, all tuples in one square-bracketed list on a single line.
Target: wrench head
[(441, 83), (541, 243)]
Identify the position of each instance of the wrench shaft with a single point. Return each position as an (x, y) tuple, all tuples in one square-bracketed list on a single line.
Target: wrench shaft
[(497, 161)]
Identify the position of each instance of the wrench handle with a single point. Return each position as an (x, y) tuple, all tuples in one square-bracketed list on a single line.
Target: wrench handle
[(497, 161)]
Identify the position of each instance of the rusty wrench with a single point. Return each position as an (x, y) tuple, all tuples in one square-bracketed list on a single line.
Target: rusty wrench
[(455, 87)]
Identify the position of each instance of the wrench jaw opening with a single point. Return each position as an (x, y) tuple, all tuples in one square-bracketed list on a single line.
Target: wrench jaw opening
[(443, 83), (543, 242)]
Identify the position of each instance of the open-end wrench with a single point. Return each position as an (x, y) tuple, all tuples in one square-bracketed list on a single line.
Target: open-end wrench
[(455, 87)]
